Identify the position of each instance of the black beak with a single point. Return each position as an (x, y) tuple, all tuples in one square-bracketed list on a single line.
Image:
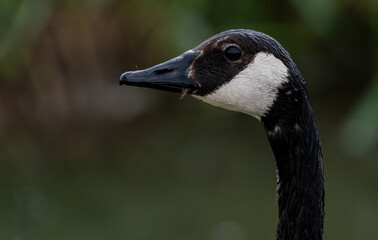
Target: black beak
[(171, 75)]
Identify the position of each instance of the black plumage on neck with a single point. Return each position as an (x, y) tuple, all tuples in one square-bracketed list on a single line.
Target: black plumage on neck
[(293, 136)]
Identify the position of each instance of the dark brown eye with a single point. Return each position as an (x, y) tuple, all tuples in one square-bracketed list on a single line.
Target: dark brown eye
[(233, 53)]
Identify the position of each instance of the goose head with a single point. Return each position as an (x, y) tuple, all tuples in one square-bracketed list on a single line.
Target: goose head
[(239, 70)]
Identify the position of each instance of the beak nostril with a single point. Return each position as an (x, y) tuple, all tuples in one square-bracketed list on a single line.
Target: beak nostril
[(162, 71)]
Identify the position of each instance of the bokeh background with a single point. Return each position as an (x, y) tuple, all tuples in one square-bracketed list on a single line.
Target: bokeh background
[(83, 158)]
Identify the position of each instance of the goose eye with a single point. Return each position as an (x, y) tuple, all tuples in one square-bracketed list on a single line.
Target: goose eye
[(232, 53)]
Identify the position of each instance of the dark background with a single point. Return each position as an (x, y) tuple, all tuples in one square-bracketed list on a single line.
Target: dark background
[(83, 158)]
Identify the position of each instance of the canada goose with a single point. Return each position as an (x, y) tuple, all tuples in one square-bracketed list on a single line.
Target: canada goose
[(250, 72)]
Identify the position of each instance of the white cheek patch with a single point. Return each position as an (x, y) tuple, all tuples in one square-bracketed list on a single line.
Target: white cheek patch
[(254, 89)]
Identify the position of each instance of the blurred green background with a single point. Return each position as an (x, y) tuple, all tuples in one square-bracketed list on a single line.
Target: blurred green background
[(83, 158)]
